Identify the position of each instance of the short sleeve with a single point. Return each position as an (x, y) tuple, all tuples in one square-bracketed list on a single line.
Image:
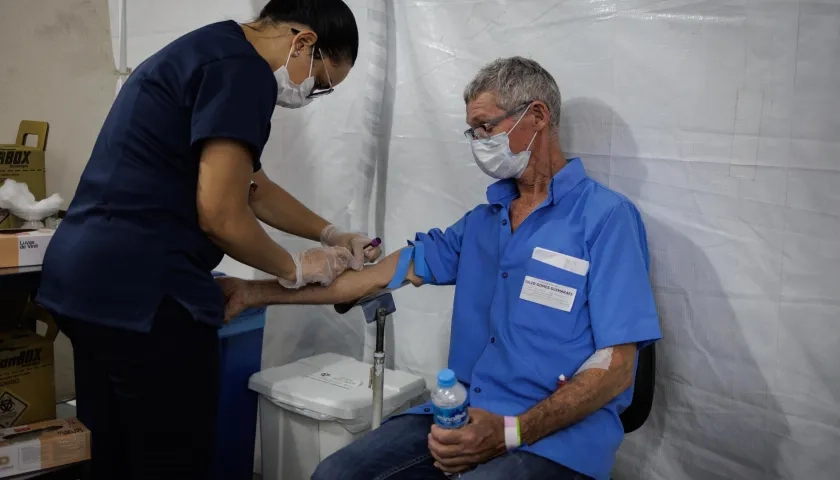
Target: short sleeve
[(621, 303), (443, 251), (235, 99)]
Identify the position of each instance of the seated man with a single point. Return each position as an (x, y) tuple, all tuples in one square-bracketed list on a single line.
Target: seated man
[(551, 283)]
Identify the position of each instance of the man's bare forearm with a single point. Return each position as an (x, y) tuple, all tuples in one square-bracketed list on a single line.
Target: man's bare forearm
[(583, 395), (349, 286)]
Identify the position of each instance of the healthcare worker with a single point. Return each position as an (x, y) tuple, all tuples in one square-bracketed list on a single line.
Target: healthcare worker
[(166, 193)]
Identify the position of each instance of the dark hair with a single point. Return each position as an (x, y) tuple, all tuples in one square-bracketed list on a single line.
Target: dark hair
[(331, 20)]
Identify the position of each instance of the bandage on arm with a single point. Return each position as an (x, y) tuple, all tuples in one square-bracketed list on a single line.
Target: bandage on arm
[(600, 359), (586, 392), (347, 287)]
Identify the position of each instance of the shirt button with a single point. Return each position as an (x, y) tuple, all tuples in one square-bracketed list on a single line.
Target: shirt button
[(504, 222), (492, 339), (504, 274), (477, 390), (426, 410)]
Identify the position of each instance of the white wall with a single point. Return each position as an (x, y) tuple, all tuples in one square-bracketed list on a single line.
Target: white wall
[(56, 65)]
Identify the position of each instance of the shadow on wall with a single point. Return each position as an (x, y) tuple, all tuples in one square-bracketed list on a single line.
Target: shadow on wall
[(713, 413), (257, 6)]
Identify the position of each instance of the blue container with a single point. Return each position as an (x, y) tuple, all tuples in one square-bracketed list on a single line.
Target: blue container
[(240, 348)]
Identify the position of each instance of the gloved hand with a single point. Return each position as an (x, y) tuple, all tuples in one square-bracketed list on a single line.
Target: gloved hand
[(332, 236), (319, 265)]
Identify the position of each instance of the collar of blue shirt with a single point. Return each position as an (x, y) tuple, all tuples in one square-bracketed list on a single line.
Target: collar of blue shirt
[(501, 192)]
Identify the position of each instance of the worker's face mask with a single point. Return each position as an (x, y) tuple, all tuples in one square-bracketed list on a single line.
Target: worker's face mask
[(493, 155), (290, 94)]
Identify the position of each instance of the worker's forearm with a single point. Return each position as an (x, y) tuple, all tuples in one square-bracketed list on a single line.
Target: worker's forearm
[(278, 208), (349, 286), (583, 395), (242, 238)]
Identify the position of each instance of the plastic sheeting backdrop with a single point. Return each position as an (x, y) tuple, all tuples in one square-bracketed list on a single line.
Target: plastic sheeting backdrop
[(719, 119)]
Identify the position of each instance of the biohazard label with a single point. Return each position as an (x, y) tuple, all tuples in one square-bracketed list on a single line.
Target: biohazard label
[(11, 408), (339, 381)]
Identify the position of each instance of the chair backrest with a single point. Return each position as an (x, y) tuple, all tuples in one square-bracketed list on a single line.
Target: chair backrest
[(637, 412)]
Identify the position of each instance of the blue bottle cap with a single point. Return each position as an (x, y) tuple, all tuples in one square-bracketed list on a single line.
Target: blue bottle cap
[(446, 378)]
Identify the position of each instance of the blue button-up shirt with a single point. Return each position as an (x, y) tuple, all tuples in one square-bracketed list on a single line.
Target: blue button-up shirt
[(512, 337)]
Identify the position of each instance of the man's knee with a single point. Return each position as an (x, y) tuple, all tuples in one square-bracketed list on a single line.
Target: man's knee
[(351, 462), (394, 443), (338, 466)]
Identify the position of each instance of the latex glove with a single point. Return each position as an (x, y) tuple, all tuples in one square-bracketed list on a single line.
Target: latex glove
[(332, 236), (319, 265)]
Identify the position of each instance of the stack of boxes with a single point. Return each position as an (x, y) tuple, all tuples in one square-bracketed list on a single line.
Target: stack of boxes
[(31, 438), (24, 164)]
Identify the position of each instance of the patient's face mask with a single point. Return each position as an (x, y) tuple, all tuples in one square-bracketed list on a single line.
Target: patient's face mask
[(290, 94), (494, 157)]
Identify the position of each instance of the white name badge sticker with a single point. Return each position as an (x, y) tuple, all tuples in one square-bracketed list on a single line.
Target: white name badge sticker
[(561, 260), (548, 294)]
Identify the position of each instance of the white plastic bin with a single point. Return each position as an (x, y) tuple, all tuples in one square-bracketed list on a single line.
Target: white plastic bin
[(313, 407)]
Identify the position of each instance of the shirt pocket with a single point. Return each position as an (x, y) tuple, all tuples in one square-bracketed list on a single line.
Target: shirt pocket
[(549, 301)]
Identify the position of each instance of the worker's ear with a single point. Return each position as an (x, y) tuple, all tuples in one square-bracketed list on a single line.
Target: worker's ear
[(305, 40), (542, 117)]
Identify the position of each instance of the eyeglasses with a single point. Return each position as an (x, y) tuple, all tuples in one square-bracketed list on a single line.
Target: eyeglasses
[(482, 131), (324, 91)]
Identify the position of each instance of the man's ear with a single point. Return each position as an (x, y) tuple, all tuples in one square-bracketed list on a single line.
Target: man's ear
[(542, 116)]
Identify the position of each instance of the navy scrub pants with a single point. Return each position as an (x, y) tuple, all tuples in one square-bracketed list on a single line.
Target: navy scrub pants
[(149, 399)]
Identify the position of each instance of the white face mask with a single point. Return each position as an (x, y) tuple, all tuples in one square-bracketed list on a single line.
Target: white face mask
[(493, 155), (289, 94)]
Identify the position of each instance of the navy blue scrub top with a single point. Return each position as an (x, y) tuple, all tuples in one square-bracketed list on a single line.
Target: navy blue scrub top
[(131, 235)]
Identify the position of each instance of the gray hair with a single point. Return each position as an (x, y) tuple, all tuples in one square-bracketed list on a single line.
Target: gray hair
[(516, 80)]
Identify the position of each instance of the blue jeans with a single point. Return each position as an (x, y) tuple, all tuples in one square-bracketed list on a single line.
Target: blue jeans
[(399, 450)]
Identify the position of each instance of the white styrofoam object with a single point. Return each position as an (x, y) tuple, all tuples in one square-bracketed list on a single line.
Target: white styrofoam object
[(305, 415)]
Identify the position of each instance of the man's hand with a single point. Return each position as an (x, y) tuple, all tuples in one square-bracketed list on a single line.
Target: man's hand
[(237, 296), (480, 441)]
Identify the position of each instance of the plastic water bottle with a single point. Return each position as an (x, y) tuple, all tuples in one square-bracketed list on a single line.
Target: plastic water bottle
[(450, 401)]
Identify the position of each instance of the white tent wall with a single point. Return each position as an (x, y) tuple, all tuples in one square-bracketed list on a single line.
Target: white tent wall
[(718, 118)]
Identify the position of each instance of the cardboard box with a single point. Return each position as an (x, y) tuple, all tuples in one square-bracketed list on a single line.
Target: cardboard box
[(43, 445), (27, 372), (23, 248), (25, 164)]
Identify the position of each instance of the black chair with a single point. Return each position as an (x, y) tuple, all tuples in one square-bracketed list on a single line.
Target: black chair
[(639, 409)]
